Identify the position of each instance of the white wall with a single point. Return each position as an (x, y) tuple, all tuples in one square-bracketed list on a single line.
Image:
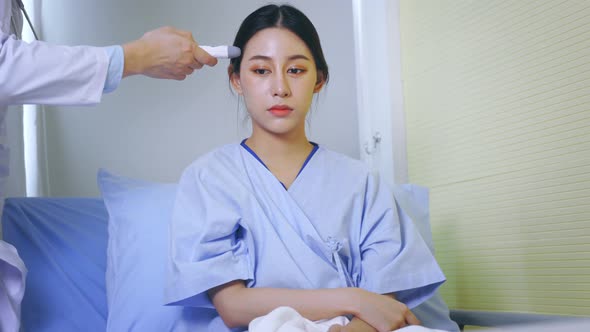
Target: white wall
[(14, 185), (152, 129)]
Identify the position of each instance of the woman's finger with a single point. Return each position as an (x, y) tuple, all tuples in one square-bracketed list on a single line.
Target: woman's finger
[(411, 319), (335, 328)]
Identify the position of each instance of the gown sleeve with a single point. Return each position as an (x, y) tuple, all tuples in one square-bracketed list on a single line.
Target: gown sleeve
[(394, 257), (206, 246)]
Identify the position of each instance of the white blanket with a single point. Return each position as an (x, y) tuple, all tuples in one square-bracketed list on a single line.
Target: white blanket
[(285, 319), (12, 287)]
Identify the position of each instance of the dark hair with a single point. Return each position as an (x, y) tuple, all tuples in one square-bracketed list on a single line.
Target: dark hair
[(283, 16)]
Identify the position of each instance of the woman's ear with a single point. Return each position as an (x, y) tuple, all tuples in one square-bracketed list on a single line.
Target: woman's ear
[(234, 79), (319, 83)]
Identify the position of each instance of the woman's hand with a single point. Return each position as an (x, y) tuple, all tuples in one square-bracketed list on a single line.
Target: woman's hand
[(382, 312), (355, 325)]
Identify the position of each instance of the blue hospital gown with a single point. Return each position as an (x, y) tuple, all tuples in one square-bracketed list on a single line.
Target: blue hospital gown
[(335, 226)]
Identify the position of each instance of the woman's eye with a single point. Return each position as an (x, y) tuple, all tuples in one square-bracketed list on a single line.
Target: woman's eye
[(295, 70), (260, 71)]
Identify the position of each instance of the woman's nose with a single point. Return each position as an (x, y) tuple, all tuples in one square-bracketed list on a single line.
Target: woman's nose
[(281, 86)]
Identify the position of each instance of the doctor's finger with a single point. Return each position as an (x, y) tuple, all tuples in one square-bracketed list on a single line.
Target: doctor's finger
[(183, 33), (203, 57), (187, 71), (195, 65), (178, 77)]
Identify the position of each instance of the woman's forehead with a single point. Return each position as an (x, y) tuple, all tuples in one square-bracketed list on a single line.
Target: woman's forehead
[(275, 42)]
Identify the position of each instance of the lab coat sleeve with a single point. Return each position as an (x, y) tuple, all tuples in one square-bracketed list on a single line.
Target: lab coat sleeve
[(12, 287), (41, 73)]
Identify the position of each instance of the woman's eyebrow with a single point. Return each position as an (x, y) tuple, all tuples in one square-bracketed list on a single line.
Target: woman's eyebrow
[(290, 58)]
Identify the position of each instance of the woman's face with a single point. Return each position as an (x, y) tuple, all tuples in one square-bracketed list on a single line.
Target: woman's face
[(277, 78)]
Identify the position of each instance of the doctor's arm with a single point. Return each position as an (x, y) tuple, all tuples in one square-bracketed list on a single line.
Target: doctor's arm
[(238, 305), (42, 73)]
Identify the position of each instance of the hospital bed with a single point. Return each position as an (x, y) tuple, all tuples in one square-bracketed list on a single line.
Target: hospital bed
[(63, 242)]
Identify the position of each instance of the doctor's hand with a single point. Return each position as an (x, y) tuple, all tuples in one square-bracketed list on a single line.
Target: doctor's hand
[(382, 312), (165, 53)]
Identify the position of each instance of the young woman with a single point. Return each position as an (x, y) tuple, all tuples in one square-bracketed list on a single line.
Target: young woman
[(278, 220)]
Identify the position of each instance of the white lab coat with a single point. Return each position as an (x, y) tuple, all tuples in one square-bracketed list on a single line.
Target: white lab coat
[(39, 73), (36, 73)]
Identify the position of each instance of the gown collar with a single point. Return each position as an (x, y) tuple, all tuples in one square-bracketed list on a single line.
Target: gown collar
[(313, 151)]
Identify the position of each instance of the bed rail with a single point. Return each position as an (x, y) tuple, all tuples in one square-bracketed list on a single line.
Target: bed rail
[(494, 319)]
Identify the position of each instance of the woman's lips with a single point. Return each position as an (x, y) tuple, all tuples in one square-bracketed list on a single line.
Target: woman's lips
[(280, 110)]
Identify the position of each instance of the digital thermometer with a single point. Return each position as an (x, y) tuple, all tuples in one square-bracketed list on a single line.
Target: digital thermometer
[(222, 52)]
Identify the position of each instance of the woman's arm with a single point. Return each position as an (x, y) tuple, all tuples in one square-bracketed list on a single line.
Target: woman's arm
[(238, 305), (383, 317), (405, 317)]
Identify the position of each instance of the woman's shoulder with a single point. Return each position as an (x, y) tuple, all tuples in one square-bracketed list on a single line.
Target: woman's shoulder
[(345, 172), (224, 155), (340, 161)]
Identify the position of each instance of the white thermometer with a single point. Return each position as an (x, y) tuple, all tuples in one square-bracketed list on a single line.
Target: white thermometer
[(222, 52)]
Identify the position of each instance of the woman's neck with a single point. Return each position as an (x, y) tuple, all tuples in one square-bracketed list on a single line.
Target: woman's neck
[(278, 146), (283, 156)]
